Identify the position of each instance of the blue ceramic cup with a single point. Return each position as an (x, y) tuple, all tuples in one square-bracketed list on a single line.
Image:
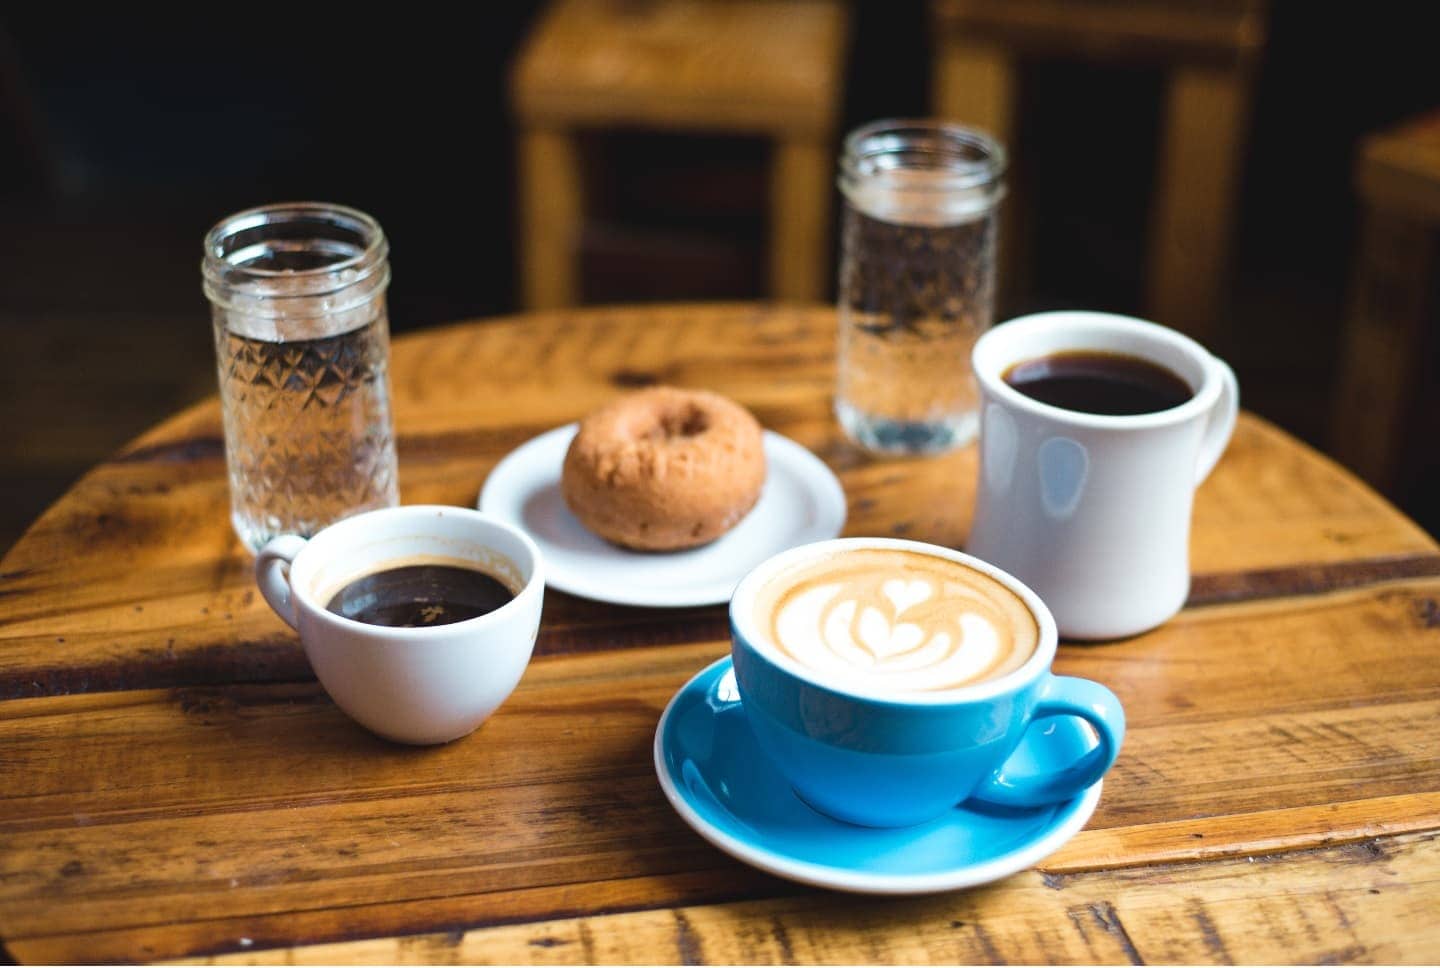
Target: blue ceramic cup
[(892, 760)]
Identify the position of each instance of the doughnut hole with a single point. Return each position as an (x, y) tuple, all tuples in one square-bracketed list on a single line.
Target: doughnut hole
[(687, 421), (677, 422)]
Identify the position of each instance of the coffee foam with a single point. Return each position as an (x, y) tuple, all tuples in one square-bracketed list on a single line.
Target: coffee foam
[(897, 621)]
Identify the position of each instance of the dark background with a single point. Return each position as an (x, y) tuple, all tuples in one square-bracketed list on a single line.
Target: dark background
[(123, 138)]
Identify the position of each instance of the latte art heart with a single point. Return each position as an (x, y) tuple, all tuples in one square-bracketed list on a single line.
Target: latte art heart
[(898, 620), (903, 594)]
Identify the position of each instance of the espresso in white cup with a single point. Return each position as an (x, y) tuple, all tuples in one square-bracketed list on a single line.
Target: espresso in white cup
[(417, 685)]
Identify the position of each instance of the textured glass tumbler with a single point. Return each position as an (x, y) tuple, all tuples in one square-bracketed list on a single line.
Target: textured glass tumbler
[(302, 340), (917, 282)]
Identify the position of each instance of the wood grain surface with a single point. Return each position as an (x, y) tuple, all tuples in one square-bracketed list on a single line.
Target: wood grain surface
[(177, 786)]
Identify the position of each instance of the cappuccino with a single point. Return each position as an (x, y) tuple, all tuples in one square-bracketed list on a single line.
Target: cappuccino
[(897, 621)]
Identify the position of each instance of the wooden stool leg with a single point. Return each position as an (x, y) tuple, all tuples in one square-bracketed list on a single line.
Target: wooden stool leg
[(974, 84), (550, 214), (1205, 118), (1381, 346), (802, 173)]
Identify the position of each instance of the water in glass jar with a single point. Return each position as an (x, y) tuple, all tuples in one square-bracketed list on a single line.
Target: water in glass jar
[(307, 429), (913, 300)]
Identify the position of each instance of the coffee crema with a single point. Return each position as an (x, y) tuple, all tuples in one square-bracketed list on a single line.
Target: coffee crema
[(421, 592), (897, 621)]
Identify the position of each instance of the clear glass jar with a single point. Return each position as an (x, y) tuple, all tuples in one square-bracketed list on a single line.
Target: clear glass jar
[(917, 282), (302, 341)]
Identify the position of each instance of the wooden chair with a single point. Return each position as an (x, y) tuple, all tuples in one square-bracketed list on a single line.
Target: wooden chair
[(1387, 409), (737, 67), (1208, 49)]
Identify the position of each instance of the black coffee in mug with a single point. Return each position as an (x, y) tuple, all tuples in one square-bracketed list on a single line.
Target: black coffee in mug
[(420, 595), (1091, 381)]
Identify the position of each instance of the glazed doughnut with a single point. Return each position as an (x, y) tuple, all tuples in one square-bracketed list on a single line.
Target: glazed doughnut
[(662, 469)]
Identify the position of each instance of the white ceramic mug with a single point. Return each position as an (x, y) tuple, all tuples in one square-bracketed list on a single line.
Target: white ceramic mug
[(412, 685), (1093, 511)]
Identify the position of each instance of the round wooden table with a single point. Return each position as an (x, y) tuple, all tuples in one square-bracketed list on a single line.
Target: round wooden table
[(174, 784)]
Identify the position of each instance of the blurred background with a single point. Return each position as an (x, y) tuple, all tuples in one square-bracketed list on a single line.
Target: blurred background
[(1264, 176)]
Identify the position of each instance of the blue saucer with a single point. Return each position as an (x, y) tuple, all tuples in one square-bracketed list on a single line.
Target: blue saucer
[(722, 784)]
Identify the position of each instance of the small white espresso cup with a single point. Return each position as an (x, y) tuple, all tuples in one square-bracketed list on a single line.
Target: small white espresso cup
[(411, 685), (1092, 511)]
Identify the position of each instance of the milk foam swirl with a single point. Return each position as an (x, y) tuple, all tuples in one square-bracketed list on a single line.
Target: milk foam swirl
[(899, 621)]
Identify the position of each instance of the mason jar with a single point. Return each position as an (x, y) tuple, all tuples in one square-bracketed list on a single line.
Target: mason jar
[(302, 339), (917, 282)]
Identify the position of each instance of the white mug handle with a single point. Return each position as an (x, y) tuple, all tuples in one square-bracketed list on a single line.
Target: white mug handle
[(1220, 423), (272, 574)]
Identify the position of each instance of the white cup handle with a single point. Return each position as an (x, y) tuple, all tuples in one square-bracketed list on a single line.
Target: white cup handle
[(1220, 424), (272, 574)]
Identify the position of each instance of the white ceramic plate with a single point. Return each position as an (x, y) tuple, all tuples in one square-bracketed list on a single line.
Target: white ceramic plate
[(802, 502)]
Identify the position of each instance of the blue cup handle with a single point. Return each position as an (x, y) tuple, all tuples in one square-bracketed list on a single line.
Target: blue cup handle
[(1063, 696)]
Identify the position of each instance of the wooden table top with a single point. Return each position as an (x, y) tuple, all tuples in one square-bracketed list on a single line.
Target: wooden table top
[(177, 786)]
